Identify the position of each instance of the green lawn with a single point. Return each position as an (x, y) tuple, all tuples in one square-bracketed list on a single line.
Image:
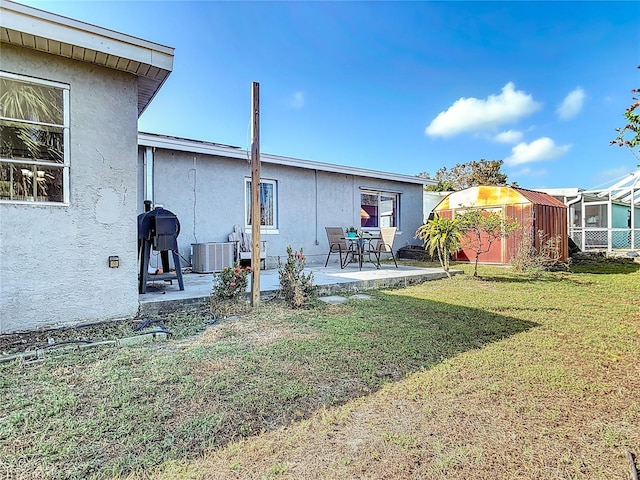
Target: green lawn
[(507, 376)]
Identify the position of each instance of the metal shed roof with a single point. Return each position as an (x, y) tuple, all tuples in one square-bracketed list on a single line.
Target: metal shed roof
[(217, 149), (495, 195), (47, 32), (539, 198)]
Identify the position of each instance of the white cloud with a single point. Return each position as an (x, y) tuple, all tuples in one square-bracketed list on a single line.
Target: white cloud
[(510, 136), (571, 105), (527, 171), (296, 100), (474, 114), (541, 149)]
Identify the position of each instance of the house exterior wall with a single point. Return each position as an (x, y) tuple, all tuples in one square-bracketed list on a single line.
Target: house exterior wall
[(207, 193), (52, 257), (620, 216), (429, 203)]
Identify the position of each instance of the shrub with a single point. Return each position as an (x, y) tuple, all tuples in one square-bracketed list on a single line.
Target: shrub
[(528, 259), (550, 251), (296, 287), (230, 283)]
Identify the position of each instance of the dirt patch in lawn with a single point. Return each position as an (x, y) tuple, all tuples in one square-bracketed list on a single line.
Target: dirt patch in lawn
[(179, 325)]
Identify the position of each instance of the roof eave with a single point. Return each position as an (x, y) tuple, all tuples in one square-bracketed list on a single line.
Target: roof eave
[(196, 146), (54, 34)]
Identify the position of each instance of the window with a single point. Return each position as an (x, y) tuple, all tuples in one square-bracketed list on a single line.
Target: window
[(34, 135), (268, 203), (596, 216), (378, 209), (575, 215)]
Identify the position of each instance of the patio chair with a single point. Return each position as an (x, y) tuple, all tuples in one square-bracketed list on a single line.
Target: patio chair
[(384, 244), (337, 244), (243, 244)]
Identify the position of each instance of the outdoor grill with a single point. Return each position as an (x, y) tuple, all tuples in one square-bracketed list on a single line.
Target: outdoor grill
[(158, 230)]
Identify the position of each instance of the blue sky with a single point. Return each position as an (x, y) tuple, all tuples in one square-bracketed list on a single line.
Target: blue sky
[(404, 87)]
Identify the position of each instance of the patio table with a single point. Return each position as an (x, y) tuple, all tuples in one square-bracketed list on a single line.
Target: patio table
[(357, 247)]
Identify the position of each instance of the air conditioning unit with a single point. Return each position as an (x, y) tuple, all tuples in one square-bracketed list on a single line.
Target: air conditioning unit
[(212, 257)]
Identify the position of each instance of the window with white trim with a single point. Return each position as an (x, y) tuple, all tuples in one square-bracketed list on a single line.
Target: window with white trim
[(268, 203), (34, 139), (378, 209)]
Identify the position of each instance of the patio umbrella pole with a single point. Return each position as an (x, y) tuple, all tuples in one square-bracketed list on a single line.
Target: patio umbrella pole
[(255, 194)]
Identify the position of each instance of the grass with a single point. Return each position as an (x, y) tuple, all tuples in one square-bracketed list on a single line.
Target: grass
[(502, 377)]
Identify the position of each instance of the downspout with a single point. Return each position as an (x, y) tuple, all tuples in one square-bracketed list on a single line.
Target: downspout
[(148, 174)]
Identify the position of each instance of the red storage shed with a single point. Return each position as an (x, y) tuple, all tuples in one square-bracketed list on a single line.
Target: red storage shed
[(535, 211)]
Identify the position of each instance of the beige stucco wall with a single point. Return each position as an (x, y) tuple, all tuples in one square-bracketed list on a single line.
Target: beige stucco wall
[(54, 259)]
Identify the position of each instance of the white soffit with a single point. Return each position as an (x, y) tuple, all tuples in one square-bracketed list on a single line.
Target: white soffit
[(220, 150), (47, 32)]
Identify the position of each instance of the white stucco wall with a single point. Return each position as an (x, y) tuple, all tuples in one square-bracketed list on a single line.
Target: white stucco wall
[(430, 201), (211, 190), (54, 259)]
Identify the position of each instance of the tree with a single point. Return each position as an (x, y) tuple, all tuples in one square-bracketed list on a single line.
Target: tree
[(470, 174), (482, 228), (632, 127), (441, 186), (33, 103), (441, 236), (26, 109)]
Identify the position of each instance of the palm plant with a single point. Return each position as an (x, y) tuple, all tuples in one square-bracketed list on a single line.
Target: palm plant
[(31, 103), (30, 132), (442, 236)]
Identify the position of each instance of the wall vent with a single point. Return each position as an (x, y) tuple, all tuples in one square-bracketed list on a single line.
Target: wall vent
[(212, 257)]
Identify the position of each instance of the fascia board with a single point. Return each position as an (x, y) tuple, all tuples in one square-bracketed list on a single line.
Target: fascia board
[(347, 170), (73, 32), (561, 192), (152, 140), (169, 143)]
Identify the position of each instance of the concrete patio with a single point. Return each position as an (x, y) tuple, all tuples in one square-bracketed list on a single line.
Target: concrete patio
[(163, 296)]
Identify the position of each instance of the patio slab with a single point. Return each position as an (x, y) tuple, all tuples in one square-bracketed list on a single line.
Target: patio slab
[(164, 297)]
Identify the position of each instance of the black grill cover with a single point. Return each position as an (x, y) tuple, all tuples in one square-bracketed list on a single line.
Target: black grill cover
[(160, 227)]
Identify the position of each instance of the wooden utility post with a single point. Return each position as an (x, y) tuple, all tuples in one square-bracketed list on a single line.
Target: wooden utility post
[(256, 216)]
